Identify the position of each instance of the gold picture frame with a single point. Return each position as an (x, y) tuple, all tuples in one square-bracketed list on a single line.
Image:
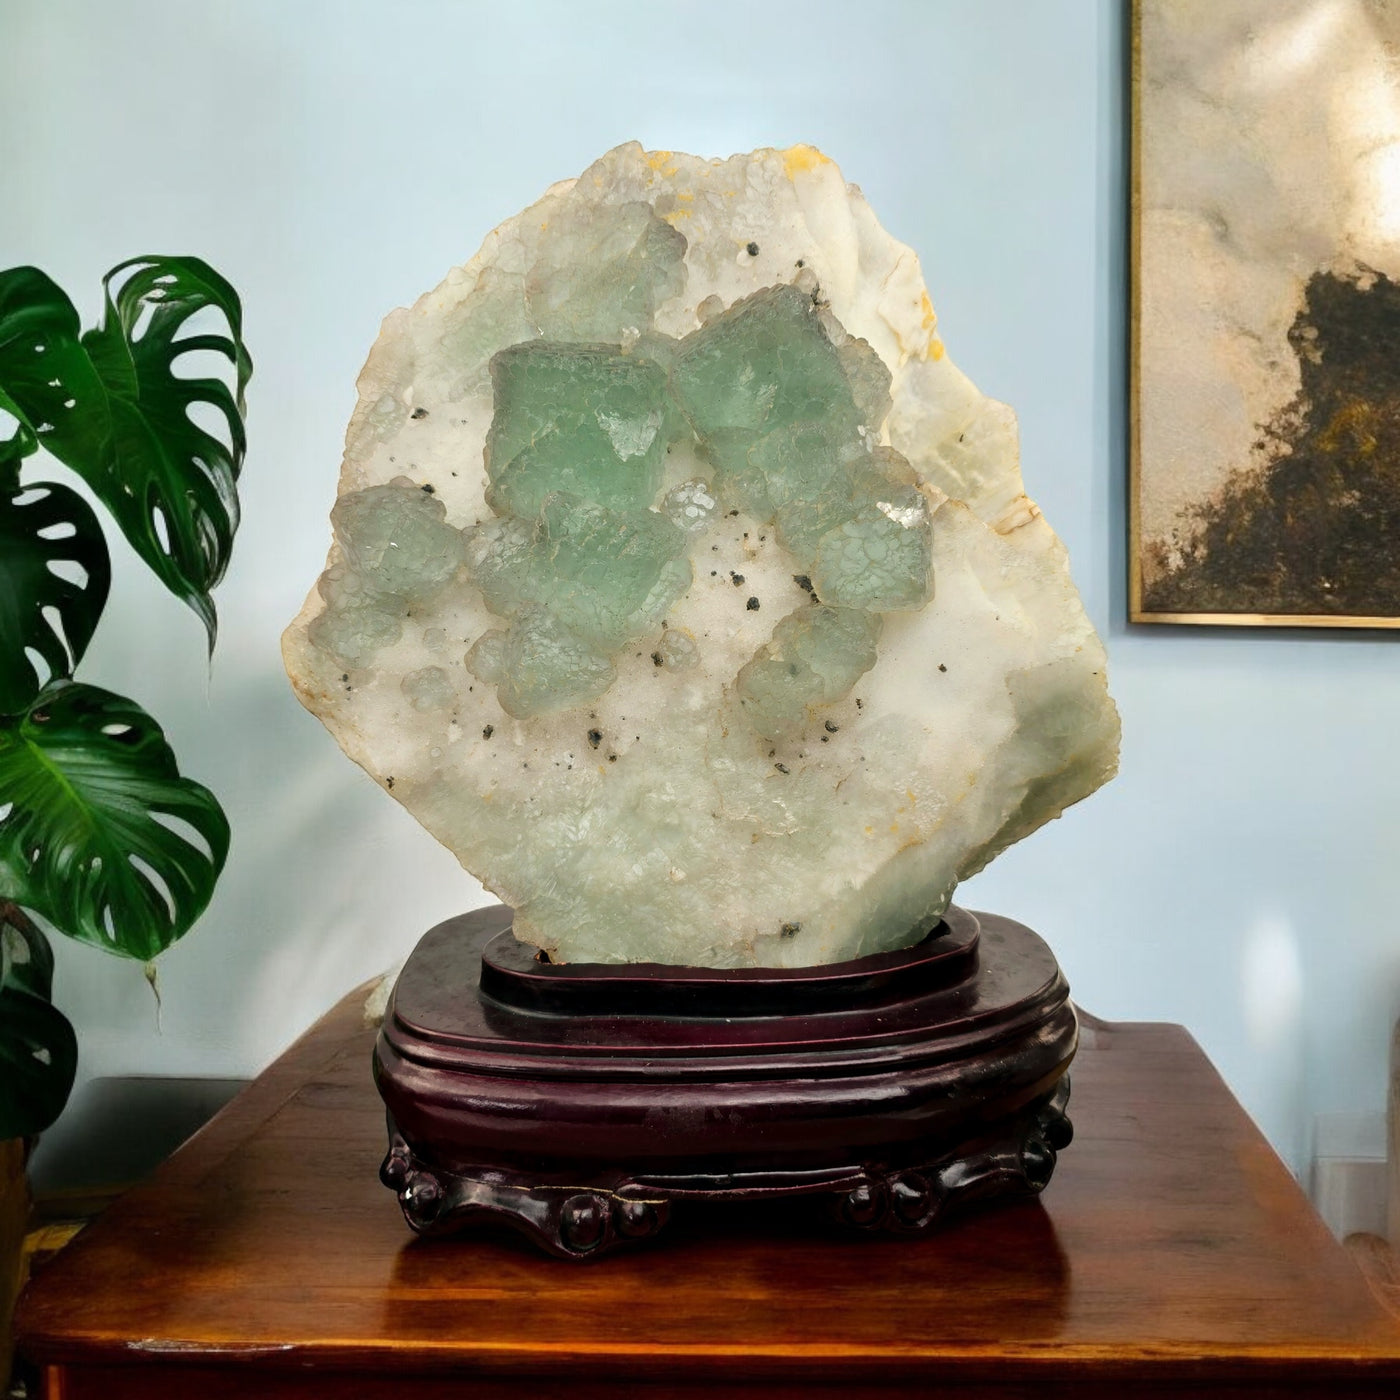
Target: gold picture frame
[(1169, 582)]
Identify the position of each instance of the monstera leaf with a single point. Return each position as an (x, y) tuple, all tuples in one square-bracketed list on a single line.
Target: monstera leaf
[(19, 440), (47, 617), (26, 960), (38, 1059), (110, 405), (43, 366), (99, 833), (38, 1051)]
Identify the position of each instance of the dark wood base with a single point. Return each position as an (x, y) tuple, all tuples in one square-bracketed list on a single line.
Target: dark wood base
[(579, 1104)]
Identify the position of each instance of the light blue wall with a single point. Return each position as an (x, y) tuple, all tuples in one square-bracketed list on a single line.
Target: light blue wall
[(336, 158)]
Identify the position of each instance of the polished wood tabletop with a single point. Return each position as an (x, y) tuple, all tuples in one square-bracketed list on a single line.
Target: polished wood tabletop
[(1172, 1254)]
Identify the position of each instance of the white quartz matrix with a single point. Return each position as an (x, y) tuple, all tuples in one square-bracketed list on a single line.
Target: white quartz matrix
[(651, 820)]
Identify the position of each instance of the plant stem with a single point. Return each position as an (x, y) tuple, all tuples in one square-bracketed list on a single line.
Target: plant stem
[(12, 914)]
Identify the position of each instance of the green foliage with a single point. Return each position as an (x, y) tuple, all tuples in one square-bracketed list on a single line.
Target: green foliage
[(40, 528), (38, 1050), (87, 846), (100, 836), (110, 405)]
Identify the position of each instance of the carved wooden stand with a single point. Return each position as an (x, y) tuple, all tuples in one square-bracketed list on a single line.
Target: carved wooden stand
[(578, 1103)]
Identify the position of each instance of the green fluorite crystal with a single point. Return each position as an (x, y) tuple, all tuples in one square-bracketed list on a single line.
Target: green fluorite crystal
[(539, 665), (398, 550), (582, 580), (815, 656), (764, 364), (607, 575), (878, 558), (429, 688), (581, 561), (609, 278), (788, 417), (575, 418), (397, 540)]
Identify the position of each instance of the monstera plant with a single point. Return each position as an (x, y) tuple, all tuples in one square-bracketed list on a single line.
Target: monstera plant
[(101, 838)]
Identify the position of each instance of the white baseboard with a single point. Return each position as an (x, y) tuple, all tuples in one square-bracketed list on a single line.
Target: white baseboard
[(1349, 1181)]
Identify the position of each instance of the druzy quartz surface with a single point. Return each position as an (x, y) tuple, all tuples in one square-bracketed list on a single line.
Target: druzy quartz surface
[(683, 587)]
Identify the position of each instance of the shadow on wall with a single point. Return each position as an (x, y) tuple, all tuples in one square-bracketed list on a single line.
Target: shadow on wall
[(116, 1132)]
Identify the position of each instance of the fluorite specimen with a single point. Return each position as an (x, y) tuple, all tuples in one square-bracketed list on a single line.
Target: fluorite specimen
[(684, 588)]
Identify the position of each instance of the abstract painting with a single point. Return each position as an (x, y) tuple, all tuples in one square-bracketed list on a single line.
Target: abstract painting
[(1265, 348)]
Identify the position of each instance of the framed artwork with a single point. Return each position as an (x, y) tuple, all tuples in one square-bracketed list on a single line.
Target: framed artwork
[(1265, 340)]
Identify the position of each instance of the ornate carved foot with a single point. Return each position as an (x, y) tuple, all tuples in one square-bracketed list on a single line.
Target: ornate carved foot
[(1016, 1159), (568, 1221), (573, 1221)]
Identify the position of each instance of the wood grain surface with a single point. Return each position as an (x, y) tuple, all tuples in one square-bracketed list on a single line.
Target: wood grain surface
[(1172, 1254)]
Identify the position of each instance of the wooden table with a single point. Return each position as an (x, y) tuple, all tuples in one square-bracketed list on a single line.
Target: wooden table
[(1172, 1254)]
